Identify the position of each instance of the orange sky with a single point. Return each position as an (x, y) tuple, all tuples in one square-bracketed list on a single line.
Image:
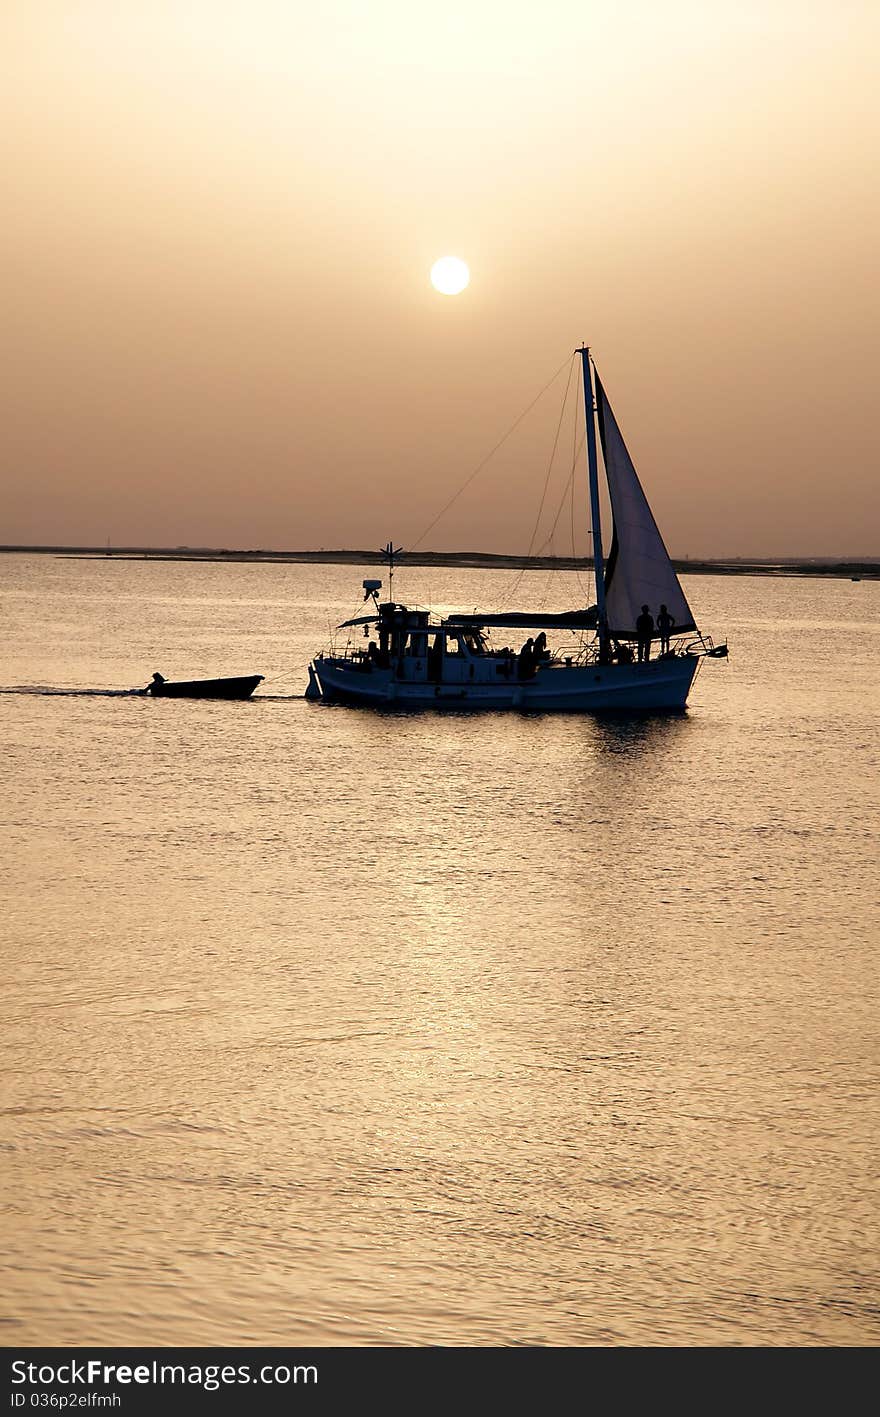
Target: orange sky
[(219, 218)]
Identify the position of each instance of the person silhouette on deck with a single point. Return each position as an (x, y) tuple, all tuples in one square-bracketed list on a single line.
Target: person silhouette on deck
[(665, 622), (525, 666), (155, 684), (644, 633)]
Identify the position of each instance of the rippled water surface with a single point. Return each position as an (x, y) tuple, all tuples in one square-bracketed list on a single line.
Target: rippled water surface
[(322, 1026)]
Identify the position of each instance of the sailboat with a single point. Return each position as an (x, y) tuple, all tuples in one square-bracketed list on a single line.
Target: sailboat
[(418, 660)]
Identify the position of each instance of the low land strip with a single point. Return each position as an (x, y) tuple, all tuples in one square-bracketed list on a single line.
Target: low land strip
[(861, 569)]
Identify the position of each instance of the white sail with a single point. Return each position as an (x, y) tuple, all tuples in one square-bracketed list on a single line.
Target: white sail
[(639, 571)]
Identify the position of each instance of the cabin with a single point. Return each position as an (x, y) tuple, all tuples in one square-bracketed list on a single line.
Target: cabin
[(416, 651)]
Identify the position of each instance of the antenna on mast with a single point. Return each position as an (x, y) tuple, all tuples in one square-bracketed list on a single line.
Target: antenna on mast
[(390, 552)]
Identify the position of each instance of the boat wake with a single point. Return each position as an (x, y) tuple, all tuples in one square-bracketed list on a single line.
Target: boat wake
[(56, 691), (53, 691)]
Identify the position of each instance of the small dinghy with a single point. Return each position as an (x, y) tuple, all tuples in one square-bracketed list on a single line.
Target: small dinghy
[(203, 688)]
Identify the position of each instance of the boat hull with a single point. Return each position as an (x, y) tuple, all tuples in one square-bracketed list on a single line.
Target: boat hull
[(240, 688), (659, 686)]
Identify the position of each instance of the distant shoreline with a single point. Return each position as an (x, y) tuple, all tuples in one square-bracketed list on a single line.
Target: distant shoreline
[(474, 560)]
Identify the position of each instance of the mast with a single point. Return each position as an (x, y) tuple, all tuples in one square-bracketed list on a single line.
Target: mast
[(593, 466)]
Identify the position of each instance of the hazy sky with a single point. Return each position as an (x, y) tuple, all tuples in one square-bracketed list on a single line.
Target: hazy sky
[(218, 223)]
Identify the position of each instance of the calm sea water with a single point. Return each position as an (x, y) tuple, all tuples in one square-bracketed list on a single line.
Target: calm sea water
[(321, 1026)]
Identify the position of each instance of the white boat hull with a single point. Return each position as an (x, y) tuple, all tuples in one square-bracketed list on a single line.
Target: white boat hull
[(658, 686)]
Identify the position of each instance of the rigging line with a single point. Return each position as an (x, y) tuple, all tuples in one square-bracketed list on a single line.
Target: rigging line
[(565, 492), (583, 586), (571, 514), (548, 540), (576, 446), (547, 584), (334, 628), (550, 463), (520, 573), (490, 454), (574, 434)]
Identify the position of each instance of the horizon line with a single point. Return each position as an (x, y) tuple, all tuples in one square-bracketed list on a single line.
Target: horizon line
[(108, 549)]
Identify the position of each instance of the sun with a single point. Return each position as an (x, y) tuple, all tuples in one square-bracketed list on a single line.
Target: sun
[(450, 275)]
